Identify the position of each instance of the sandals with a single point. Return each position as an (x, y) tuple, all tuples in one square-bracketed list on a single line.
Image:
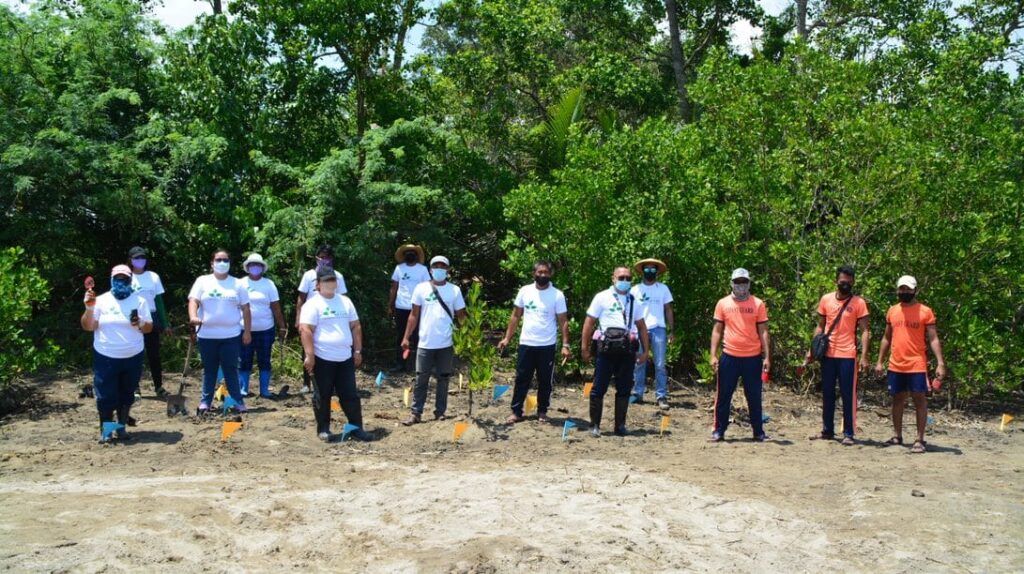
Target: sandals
[(543, 418), (822, 436), (894, 441), (513, 419), (848, 441), (918, 448)]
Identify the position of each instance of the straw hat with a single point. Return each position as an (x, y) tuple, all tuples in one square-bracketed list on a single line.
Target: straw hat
[(400, 253), (639, 267)]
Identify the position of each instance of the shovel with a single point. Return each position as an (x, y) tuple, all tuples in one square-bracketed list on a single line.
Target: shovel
[(176, 402)]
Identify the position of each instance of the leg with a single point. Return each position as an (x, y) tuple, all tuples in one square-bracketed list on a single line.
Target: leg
[(847, 374), (229, 349), (129, 376), (829, 374), (921, 408), (899, 401), (401, 319), (348, 396), (324, 373), (659, 344), (640, 377), (156, 369), (443, 364), (526, 360), (728, 377), (545, 360), (245, 358), (104, 382), (623, 376), (752, 389), (424, 367), (208, 352), (264, 354), (602, 376)]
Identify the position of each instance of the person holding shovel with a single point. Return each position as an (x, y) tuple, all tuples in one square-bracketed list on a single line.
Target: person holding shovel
[(148, 284), (332, 339), (436, 306), (218, 306), (119, 320), (265, 308)]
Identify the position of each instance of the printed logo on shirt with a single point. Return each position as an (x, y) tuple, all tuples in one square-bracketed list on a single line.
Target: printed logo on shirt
[(405, 276), (531, 306), (216, 294), (431, 298), (616, 307), (907, 324), (645, 298), (747, 310), (114, 310), (329, 312)]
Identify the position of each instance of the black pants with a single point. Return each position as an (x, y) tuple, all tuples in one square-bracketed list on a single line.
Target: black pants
[(156, 368), (335, 378), (617, 369), (540, 360), (401, 320)]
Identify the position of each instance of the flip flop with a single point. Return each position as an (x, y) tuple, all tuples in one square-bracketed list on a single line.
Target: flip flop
[(513, 419), (896, 440), (848, 441), (918, 448)]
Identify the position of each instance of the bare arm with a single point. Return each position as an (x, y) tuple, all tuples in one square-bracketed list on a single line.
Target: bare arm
[(883, 349), (766, 346), (588, 335), (410, 325), (563, 324), (513, 323), (933, 341), (716, 340), (275, 308), (306, 334), (193, 313), (460, 317), (670, 322), (87, 321), (392, 296), (865, 342), (357, 342), (298, 307), (645, 340)]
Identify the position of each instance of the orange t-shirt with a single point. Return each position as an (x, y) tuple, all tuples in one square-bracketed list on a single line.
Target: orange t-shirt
[(843, 342), (741, 319), (909, 324)]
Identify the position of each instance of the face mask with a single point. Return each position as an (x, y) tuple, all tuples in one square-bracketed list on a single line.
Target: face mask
[(905, 297), (845, 288), (439, 274), (222, 266), (741, 290), (650, 274), (410, 257), (541, 280), (139, 263), (623, 285), (322, 262), (256, 271), (121, 288)]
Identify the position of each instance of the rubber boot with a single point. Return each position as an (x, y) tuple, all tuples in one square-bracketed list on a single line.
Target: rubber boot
[(243, 382), (265, 383), (596, 406), (123, 418), (105, 417), (354, 413), (621, 406)]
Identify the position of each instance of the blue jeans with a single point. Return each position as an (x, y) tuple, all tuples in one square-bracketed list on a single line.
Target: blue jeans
[(659, 344), (114, 381), (730, 371), (220, 354)]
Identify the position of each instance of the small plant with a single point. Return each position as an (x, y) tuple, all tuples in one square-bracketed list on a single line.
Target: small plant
[(472, 346)]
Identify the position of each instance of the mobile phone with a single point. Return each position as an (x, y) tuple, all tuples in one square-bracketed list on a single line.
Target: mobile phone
[(134, 316)]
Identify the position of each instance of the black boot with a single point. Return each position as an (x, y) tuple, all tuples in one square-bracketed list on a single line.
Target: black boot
[(621, 405), (596, 407), (125, 419), (105, 417)]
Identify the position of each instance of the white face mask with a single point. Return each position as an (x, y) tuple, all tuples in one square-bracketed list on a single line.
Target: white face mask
[(222, 266), (741, 290)]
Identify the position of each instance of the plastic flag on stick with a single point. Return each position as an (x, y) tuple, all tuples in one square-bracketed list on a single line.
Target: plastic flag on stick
[(498, 391), (460, 381), (1007, 419), (531, 403), (408, 391), (569, 425), (664, 424), (347, 430), (229, 403), (380, 379), (458, 430), (587, 387), (229, 429), (222, 391), (335, 405), (110, 427)]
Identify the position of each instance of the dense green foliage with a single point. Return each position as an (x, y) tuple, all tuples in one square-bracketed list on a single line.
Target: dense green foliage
[(882, 134), (21, 288)]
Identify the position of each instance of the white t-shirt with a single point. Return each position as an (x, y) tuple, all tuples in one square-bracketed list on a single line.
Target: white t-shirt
[(408, 277), (609, 308), (148, 285), (220, 306), (435, 324), (115, 337), (541, 308), (308, 283), (261, 294), (332, 330), (652, 299)]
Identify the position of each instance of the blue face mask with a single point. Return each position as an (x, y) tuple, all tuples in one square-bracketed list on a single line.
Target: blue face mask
[(139, 263), (623, 285), (256, 271), (121, 288), (439, 274)]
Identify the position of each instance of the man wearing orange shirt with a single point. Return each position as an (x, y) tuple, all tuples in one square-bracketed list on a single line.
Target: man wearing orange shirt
[(839, 362), (909, 326), (741, 324)]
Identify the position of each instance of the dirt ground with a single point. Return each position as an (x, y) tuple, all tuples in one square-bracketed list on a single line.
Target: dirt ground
[(503, 499)]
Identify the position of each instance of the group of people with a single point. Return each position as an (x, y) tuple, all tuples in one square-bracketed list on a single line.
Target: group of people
[(236, 321)]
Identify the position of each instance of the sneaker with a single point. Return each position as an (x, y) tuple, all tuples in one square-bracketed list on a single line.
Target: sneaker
[(716, 437), (412, 420), (595, 431), (848, 441), (161, 392), (204, 407), (244, 394), (138, 396), (105, 439), (324, 436), (622, 431), (360, 435), (241, 408), (636, 399), (663, 403), (304, 389), (763, 438)]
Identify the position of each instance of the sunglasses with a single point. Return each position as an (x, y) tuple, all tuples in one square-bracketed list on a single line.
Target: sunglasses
[(625, 277), (221, 260), (650, 269)]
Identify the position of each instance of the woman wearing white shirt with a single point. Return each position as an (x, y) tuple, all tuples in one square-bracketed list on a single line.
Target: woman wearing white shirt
[(118, 320), (217, 306), (265, 308), (333, 343)]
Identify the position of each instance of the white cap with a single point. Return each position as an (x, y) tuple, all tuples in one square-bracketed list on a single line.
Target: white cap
[(907, 281), (740, 273), (254, 258), (440, 259)]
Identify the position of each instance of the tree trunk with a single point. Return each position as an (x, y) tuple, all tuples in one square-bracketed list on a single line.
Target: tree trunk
[(218, 7), (801, 18), (403, 29), (678, 67)]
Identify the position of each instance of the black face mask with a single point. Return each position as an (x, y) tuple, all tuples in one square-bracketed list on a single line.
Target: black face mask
[(410, 257), (845, 288), (905, 297), (650, 275), (542, 280)]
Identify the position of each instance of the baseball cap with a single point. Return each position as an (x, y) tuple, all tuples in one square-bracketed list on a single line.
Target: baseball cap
[(740, 273), (907, 281), (120, 270), (326, 272), (440, 259), (135, 252)]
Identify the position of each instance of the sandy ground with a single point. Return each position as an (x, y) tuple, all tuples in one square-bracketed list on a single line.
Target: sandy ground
[(503, 499)]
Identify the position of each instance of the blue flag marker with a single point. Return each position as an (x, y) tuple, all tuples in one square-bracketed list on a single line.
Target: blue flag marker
[(765, 418), (229, 403), (348, 430), (499, 390), (380, 379), (565, 431), (632, 399), (110, 427)]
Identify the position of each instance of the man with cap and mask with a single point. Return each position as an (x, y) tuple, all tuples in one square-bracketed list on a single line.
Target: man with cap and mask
[(741, 326), (615, 312), (909, 330), (409, 273), (436, 305), (147, 284), (307, 286), (655, 300)]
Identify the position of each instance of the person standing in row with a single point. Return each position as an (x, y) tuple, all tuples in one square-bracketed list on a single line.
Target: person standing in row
[(147, 284), (909, 330), (543, 310), (409, 273), (840, 314), (218, 307), (655, 300), (307, 285), (437, 306), (265, 309), (332, 339), (119, 320), (616, 312), (741, 325)]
